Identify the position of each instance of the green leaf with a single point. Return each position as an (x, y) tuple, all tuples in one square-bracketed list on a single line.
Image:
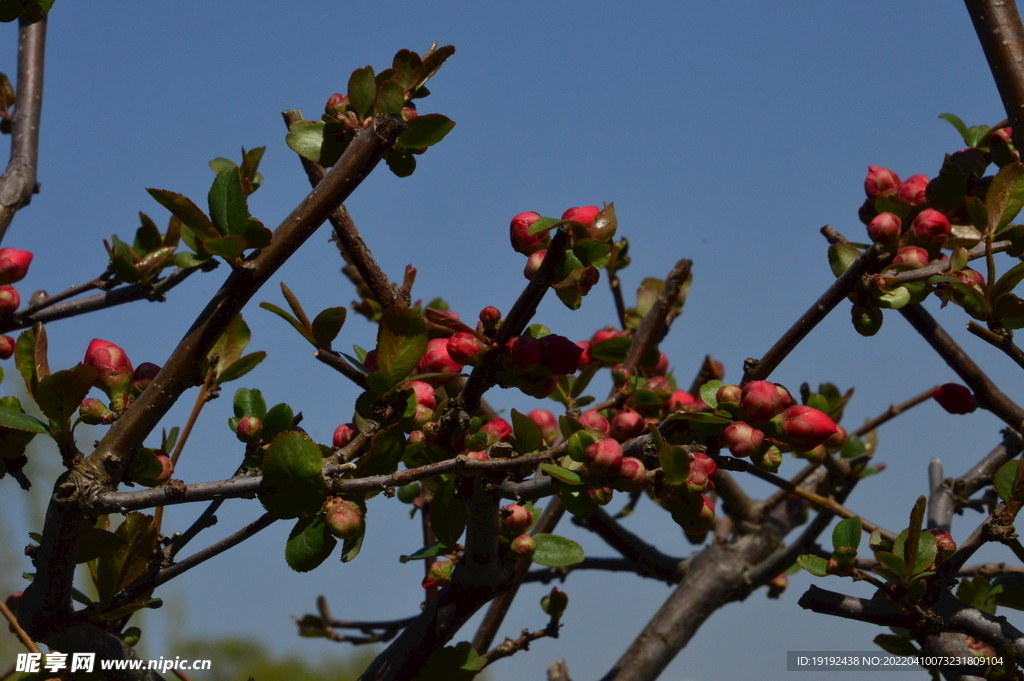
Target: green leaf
[(401, 342), (913, 541), (23, 422), (699, 417), (292, 482), (390, 97), (434, 550), (927, 549), (458, 663), (555, 551), (59, 395), (577, 502), (249, 403), (611, 350), (1004, 478), (895, 299), (583, 380), (306, 138), (227, 247), (542, 225), (604, 225), (228, 207), (1010, 591), (296, 324), (424, 131), (362, 90), (561, 474), (816, 565), (847, 533), (130, 560), (979, 593), (1008, 281), (977, 213), (577, 444), (327, 325), (955, 121), (892, 562), (1009, 311), (674, 460), (592, 252), (709, 393), (221, 164), (256, 235), (240, 367), (277, 420), (309, 544), (400, 162), (96, 543), (447, 514), (231, 344), (25, 359), (386, 450), (186, 211), (351, 547), (1005, 196), (147, 237), (897, 645), (528, 435)]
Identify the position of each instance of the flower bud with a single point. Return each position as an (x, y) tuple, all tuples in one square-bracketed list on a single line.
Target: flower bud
[(660, 386), (805, 427), (344, 520), (525, 353), (165, 474), (585, 357), (971, 278), (760, 400), (249, 429), (603, 458), (912, 190), (425, 395), (9, 301), (657, 367), (540, 386), (728, 397), (408, 493), (436, 360), (523, 546), (343, 434), (496, 430), (604, 334), (601, 494), (632, 475), (945, 546), (547, 423), (583, 214), (13, 265), (465, 348), (596, 423), (555, 603), (768, 460), (627, 424), (6, 347), (680, 400), (142, 377), (533, 263), (885, 228), (519, 229), (837, 441), (489, 317), (336, 104), (113, 367), (705, 462), (1000, 136), (742, 439), (94, 412), (931, 227), (703, 520), (370, 361), (955, 398), (911, 255), (439, 574), (561, 355), (697, 480), (971, 159), (880, 181), (515, 520)]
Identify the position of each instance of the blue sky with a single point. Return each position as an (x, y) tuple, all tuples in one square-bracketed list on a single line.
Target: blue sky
[(728, 133)]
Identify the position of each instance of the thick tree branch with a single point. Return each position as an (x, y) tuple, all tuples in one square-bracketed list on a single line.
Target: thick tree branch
[(18, 183), (649, 561), (999, 30)]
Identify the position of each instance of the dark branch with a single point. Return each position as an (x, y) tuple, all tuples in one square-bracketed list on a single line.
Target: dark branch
[(649, 561), (999, 30), (655, 324)]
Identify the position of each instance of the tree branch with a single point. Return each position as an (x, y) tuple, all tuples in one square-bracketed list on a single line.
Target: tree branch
[(892, 412), (999, 30), (656, 322), (649, 561), (950, 495)]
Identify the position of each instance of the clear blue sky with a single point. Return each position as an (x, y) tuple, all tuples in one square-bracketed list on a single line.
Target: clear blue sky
[(725, 132)]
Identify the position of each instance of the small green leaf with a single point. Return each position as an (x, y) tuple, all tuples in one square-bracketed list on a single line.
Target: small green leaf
[(296, 324), (351, 548), (577, 502), (816, 565), (306, 138), (611, 350), (249, 403), (390, 97), (453, 663), (1004, 478), (447, 514), (897, 645), (327, 325), (577, 444), (561, 474), (977, 214), (309, 544), (1008, 281), (277, 420), (362, 90), (60, 394), (555, 551), (700, 417), (1005, 196), (892, 562), (841, 257), (186, 211), (592, 252), (240, 367), (401, 342), (674, 460), (129, 561), (221, 164), (527, 434), (434, 550), (894, 299), (227, 247), (424, 131), (386, 450), (23, 422), (709, 393), (847, 533), (1008, 590), (956, 122), (228, 207), (292, 482), (400, 162), (542, 225), (96, 543)]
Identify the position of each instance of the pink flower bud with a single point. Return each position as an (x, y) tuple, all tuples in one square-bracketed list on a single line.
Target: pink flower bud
[(838, 440), (601, 494), (94, 412), (561, 355), (680, 400), (165, 474), (595, 422), (336, 104), (912, 190), (515, 520), (627, 424), (880, 181), (944, 544), (143, 376), (911, 255), (343, 434), (768, 460), (113, 366), (436, 360), (604, 458), (583, 214), (497, 430), (885, 228), (760, 400), (533, 263), (658, 366), (705, 462), (344, 520), (249, 429), (632, 475), (555, 603), (522, 242), (660, 386), (9, 301), (13, 265), (409, 113), (728, 397), (546, 422), (697, 480), (604, 334), (971, 278), (955, 398), (785, 398), (6, 347), (465, 348), (805, 427), (523, 546), (439, 574), (524, 351), (741, 439), (931, 227), (424, 392), (585, 358), (704, 518), (489, 317), (1001, 135)]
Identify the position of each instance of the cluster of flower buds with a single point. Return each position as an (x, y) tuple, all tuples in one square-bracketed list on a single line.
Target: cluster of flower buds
[(344, 518), (897, 214), (13, 268), (338, 108), (515, 521), (115, 377), (768, 421), (534, 364), (605, 466)]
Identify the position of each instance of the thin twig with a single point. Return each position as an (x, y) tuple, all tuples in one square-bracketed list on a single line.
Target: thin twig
[(655, 324), (510, 647), (338, 363), (1002, 341), (207, 518), (620, 306), (41, 302), (942, 267), (892, 412), (18, 183)]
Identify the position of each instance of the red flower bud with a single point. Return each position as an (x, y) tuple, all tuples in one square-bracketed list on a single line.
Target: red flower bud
[(971, 278), (436, 360), (885, 228), (660, 386), (143, 376), (465, 348), (522, 242), (604, 458), (489, 317), (439, 574), (585, 358), (9, 301), (911, 255), (424, 392), (680, 400), (561, 355), (912, 190), (524, 351), (496, 430), (728, 397), (805, 427), (533, 263), (583, 214), (336, 104), (931, 227), (94, 412), (697, 480), (344, 520), (343, 434), (113, 366), (838, 440), (944, 544), (1001, 135), (632, 475), (760, 400), (249, 429), (627, 424), (880, 181), (515, 520), (165, 474), (955, 398), (546, 422), (13, 265), (595, 422), (6, 347), (604, 334), (523, 546), (702, 460), (742, 439)]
